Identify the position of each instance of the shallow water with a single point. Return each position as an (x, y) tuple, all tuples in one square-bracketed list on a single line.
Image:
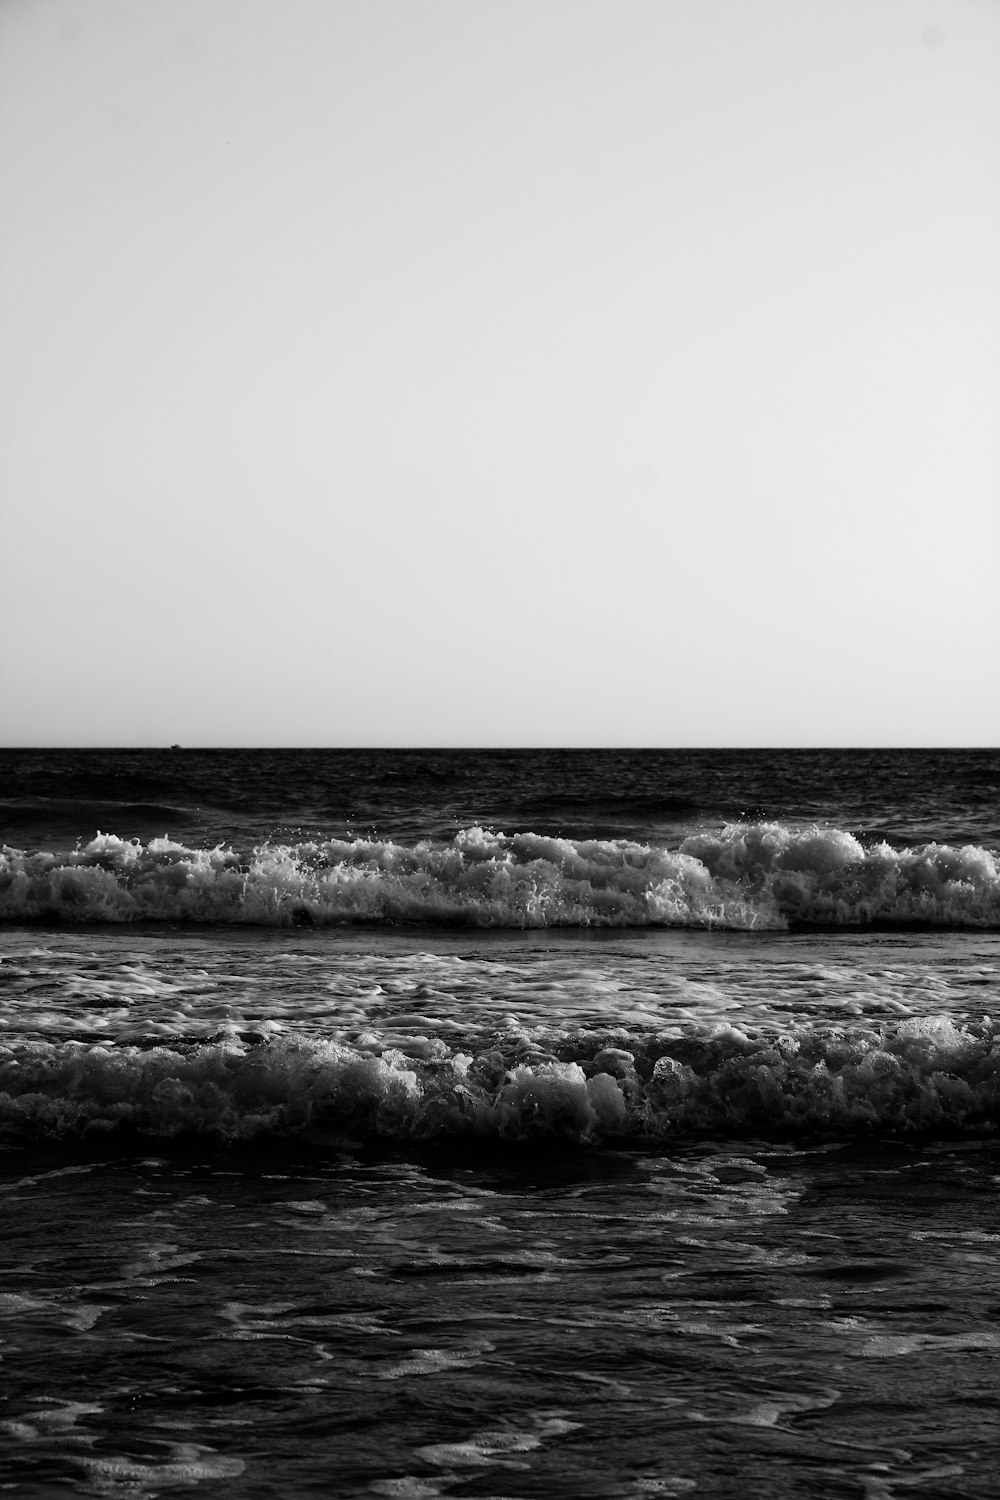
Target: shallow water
[(721, 1319)]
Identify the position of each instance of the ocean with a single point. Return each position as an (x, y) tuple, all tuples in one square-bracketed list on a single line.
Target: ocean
[(499, 1123)]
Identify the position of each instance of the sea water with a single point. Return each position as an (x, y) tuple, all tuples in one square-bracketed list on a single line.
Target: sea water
[(499, 1124)]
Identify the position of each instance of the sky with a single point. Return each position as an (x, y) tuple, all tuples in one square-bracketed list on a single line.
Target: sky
[(500, 372)]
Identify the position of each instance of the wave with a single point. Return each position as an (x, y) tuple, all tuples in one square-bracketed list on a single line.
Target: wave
[(745, 876), (932, 1075)]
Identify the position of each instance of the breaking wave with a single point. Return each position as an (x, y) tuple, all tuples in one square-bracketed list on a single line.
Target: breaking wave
[(745, 876), (923, 1074)]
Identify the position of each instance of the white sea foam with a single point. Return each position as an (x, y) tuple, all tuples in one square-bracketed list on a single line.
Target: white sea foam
[(745, 876), (925, 1074)]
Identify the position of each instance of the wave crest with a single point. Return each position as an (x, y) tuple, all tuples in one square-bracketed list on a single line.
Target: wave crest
[(930, 1074), (759, 875)]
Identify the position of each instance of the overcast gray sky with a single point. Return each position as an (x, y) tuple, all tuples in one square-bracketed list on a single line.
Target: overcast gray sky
[(500, 371)]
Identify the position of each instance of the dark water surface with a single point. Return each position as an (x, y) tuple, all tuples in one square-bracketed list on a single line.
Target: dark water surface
[(722, 1319), (901, 795), (511, 1124)]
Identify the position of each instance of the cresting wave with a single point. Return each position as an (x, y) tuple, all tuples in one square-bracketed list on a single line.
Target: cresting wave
[(746, 876), (929, 1074)]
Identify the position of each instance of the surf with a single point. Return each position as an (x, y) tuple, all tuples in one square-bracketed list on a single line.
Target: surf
[(744, 876)]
